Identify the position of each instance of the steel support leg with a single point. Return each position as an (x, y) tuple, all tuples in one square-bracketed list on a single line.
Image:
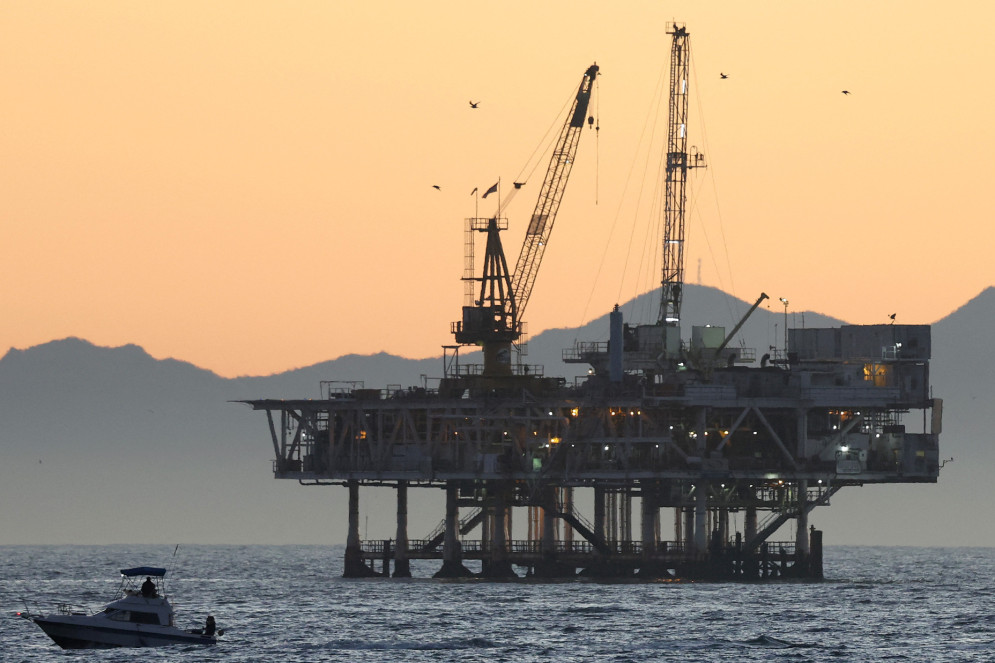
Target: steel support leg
[(452, 565), (402, 566), (354, 566)]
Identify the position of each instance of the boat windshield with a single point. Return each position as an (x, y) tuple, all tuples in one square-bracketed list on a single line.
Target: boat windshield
[(134, 616)]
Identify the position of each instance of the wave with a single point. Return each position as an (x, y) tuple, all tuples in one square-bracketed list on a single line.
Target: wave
[(772, 643), (762, 641), (441, 645), (596, 610)]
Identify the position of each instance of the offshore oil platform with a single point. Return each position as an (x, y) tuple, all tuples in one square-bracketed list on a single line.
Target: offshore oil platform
[(697, 429)]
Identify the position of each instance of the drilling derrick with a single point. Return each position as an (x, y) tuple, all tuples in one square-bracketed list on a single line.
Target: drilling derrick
[(678, 163), (656, 349), (493, 319)]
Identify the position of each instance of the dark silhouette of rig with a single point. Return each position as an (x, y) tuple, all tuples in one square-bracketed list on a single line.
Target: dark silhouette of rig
[(693, 429), (769, 442)]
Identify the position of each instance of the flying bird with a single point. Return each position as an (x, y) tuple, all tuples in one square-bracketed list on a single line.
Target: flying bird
[(846, 92), (474, 104), (436, 186), (519, 185), (723, 76)]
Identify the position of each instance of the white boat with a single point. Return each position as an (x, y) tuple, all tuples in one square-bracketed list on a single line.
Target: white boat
[(142, 617)]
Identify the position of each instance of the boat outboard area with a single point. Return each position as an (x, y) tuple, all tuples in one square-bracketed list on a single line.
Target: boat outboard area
[(141, 617)]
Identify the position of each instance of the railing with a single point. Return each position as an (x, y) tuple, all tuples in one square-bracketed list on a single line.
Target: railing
[(471, 547), (568, 508), (857, 394), (581, 348), (69, 609), (533, 370), (778, 549), (536, 547), (745, 355), (710, 392), (338, 388), (435, 536)]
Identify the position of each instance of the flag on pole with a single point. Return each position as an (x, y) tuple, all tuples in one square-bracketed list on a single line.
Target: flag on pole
[(493, 189)]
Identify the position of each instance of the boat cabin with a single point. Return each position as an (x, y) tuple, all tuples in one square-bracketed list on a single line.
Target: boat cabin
[(143, 602)]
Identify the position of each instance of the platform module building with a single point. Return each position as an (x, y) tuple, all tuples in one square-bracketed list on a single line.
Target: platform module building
[(769, 442), (648, 465)]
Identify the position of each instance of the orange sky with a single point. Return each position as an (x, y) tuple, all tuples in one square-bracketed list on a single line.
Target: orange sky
[(248, 185)]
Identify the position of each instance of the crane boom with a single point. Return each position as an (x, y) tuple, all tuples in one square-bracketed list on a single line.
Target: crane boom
[(557, 174), (493, 319)]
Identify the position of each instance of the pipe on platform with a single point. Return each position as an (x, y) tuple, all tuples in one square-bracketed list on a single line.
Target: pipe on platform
[(568, 506), (615, 345)]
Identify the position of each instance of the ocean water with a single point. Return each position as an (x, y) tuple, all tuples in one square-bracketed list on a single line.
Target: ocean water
[(289, 603)]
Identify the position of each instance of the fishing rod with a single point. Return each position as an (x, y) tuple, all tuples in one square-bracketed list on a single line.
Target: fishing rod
[(172, 567)]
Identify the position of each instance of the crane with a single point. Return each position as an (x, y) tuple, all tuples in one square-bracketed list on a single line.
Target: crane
[(548, 204), (493, 320)]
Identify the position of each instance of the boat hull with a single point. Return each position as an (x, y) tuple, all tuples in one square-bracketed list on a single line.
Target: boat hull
[(72, 634)]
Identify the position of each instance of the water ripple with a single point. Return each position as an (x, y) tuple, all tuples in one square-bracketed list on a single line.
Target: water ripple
[(289, 603)]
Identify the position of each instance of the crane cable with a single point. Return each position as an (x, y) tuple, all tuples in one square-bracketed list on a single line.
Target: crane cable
[(597, 139), (557, 121), (652, 113), (648, 261), (652, 229), (731, 291)]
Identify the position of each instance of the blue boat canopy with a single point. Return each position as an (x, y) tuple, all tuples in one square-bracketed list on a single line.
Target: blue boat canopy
[(144, 571)]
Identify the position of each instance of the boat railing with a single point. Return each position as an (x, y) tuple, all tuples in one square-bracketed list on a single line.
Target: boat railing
[(70, 609)]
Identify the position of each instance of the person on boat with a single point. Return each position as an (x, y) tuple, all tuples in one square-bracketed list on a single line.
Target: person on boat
[(148, 588), (209, 626)]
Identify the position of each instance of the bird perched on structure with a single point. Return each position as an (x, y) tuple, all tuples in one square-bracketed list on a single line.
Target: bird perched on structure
[(474, 104), (846, 92), (723, 76)]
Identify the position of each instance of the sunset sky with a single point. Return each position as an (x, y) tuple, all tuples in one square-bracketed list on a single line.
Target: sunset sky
[(248, 186)]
